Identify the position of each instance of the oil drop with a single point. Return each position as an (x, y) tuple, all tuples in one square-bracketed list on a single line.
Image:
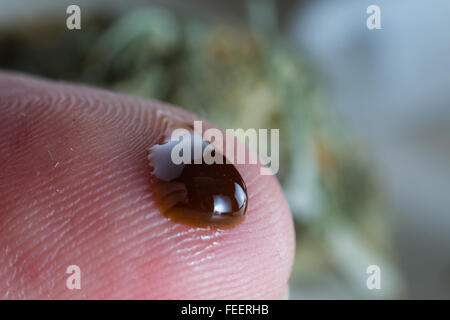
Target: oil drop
[(197, 194)]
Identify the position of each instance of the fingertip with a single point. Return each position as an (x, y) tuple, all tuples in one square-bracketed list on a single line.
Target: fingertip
[(75, 190)]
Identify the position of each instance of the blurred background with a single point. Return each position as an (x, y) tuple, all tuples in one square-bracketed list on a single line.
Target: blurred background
[(364, 115)]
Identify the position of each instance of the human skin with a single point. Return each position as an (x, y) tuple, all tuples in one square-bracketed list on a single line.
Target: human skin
[(74, 190)]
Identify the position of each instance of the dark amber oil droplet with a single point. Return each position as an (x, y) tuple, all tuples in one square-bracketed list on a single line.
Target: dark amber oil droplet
[(199, 195)]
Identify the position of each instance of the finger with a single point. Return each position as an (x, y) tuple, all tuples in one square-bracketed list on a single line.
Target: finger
[(74, 190)]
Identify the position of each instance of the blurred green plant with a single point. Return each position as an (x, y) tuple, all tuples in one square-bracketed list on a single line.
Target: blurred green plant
[(238, 77)]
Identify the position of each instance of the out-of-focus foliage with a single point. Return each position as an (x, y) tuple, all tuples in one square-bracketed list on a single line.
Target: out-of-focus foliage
[(237, 78)]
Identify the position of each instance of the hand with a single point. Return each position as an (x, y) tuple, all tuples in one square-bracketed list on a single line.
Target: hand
[(74, 190)]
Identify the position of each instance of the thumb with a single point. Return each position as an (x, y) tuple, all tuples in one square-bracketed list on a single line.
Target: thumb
[(74, 190)]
